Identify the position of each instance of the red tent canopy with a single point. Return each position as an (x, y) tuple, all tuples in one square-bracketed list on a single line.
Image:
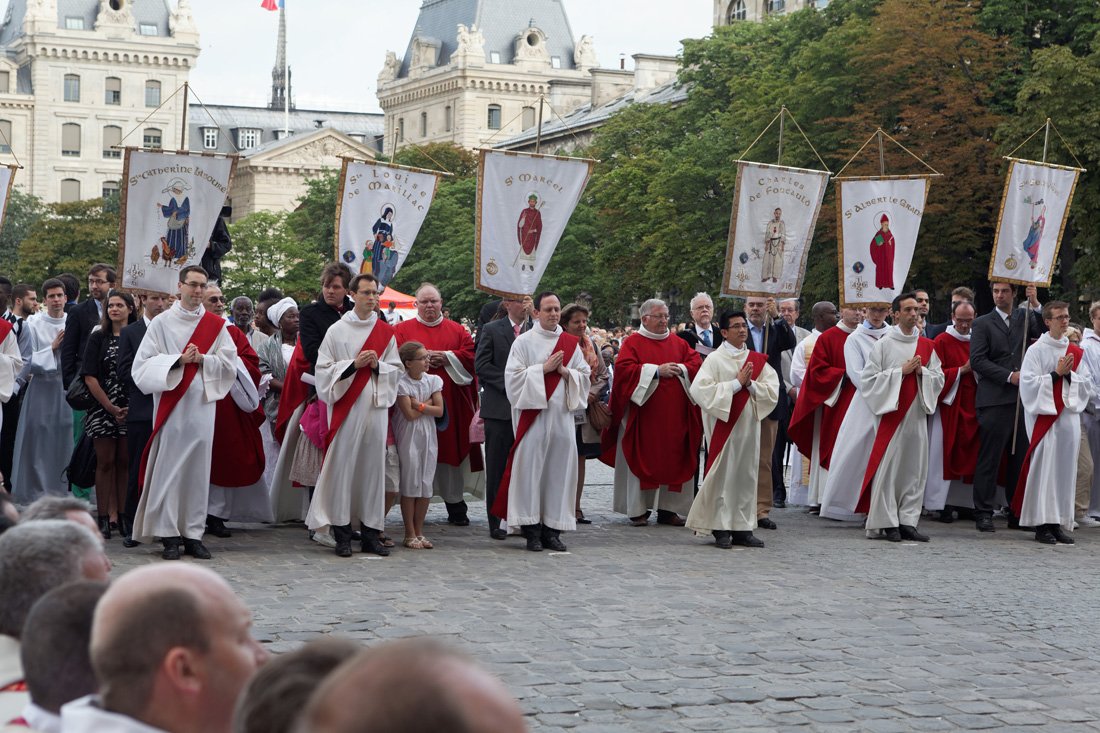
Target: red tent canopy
[(389, 295)]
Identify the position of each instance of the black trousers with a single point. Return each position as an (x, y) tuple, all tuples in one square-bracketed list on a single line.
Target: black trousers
[(7, 436), (137, 435), (779, 488), (995, 441), (498, 442)]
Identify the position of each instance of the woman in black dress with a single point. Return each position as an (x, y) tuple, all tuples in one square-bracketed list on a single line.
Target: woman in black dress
[(105, 423)]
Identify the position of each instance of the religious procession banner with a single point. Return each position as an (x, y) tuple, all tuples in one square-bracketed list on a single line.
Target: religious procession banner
[(7, 179), (877, 224), (524, 202), (170, 203), (379, 213), (1033, 216), (774, 214)]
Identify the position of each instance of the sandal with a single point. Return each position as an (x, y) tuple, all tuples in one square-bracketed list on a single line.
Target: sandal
[(425, 543), (581, 519), (413, 543), (385, 540)]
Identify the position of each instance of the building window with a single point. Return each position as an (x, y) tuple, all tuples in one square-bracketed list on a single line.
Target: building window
[(494, 116), (776, 6), (494, 57), (423, 124), (110, 188), (151, 138), (401, 130), (148, 29), (5, 82), (70, 190), (283, 134), (72, 88), (248, 138), (74, 23), (555, 62), (70, 140), (448, 118), (152, 94), (112, 141), (528, 118), (112, 90), (5, 136), (738, 11), (210, 138)]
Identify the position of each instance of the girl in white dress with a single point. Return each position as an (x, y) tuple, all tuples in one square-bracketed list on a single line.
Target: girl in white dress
[(419, 403)]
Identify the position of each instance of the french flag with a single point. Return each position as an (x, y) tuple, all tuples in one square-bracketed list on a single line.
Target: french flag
[(271, 4)]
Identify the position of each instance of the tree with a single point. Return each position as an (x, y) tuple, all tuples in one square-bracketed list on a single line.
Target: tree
[(266, 253), (313, 222), (69, 237), (446, 157), (22, 212)]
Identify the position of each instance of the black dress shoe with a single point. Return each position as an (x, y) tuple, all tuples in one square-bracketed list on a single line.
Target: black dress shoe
[(343, 549), (892, 534), (216, 526), (815, 509), (105, 527), (746, 539), (765, 523), (1014, 522), (462, 521), (551, 540), (670, 518), (947, 516), (372, 544), (129, 542), (1045, 536), (911, 533), (498, 534), (534, 544), (779, 503), (171, 549), (723, 539), (984, 523), (196, 549), (1060, 535)]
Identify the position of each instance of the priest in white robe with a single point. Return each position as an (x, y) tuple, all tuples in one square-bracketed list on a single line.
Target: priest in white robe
[(901, 385), (852, 449), (1055, 388), (42, 446), (738, 385), (546, 379), (183, 344), (357, 372)]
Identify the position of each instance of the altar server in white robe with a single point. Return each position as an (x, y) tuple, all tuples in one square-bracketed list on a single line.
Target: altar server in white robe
[(853, 447), (538, 491), (901, 385), (11, 361), (1055, 387), (734, 384), (187, 358), (42, 447), (357, 372)]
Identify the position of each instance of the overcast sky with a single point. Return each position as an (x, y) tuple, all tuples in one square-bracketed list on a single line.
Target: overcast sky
[(336, 47)]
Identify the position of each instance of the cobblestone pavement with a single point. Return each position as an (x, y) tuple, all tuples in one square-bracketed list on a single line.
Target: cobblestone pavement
[(653, 629)]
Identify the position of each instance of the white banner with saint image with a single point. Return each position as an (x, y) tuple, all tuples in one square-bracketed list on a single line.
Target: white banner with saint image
[(524, 202), (878, 223), (380, 212), (170, 203), (1033, 216), (774, 214)]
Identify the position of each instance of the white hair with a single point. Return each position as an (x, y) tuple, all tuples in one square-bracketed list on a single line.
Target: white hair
[(651, 305), (700, 297), (797, 306)]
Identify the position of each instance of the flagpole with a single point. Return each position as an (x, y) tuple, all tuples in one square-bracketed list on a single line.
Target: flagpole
[(286, 78), (183, 123)]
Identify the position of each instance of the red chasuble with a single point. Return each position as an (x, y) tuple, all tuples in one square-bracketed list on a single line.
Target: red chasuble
[(823, 373), (238, 455), (960, 418), (461, 402), (295, 391), (661, 438)]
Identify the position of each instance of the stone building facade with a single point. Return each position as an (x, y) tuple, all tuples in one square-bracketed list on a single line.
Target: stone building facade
[(731, 11)]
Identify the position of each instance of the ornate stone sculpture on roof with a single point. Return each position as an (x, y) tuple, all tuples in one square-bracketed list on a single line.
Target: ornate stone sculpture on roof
[(584, 56)]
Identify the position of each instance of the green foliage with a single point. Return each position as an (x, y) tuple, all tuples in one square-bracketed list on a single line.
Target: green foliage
[(446, 157), (69, 237), (22, 212), (313, 222), (265, 253)]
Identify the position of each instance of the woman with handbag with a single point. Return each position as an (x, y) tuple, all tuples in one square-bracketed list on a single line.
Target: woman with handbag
[(105, 422), (597, 416)]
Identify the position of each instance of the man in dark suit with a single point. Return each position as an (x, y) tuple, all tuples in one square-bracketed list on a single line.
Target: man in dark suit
[(770, 335), (702, 334), (996, 353), (315, 319), (83, 318), (493, 345), (139, 418), (958, 295)]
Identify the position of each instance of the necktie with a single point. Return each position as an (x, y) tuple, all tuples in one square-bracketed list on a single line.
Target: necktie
[(706, 337), (515, 329)]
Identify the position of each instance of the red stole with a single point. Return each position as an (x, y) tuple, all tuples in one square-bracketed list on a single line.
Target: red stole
[(723, 428), (1043, 423), (6, 327), (295, 392), (889, 423), (238, 456), (378, 340), (567, 345), (960, 418), (204, 336), (824, 372)]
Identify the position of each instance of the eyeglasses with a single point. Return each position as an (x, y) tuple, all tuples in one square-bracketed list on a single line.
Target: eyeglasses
[(217, 299), (199, 286), (97, 281)]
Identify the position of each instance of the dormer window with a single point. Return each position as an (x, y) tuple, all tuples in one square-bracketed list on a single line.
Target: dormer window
[(74, 23), (494, 57), (148, 29)]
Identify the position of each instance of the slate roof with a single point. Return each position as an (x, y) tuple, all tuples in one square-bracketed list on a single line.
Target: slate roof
[(154, 12), (500, 21), (368, 126)]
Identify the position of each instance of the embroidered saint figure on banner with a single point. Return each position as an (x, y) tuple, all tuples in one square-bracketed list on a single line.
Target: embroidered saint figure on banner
[(174, 245), (882, 254), (775, 240), (1035, 232), (380, 257), (529, 231)]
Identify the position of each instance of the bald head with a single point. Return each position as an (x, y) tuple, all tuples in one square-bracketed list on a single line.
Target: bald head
[(429, 303), (414, 684), (213, 300), (824, 314)]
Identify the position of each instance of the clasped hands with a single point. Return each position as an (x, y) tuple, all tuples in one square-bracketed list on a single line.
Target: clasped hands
[(911, 365), (191, 355), (556, 363), (367, 358)]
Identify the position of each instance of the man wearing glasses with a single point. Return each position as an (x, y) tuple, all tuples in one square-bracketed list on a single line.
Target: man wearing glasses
[(188, 362)]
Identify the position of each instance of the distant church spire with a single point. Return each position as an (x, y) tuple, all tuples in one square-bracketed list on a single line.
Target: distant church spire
[(280, 75)]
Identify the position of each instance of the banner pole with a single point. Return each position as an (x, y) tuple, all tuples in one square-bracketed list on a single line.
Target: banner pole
[(538, 133), (881, 155), (779, 158), (1046, 139), (183, 123)]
